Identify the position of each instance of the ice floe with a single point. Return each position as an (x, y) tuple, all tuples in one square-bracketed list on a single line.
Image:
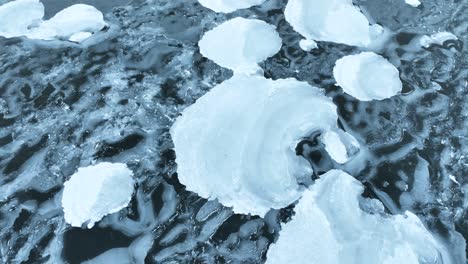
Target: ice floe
[(331, 20), (308, 44), (240, 44), (336, 224), (24, 18), (340, 145), (367, 76), (238, 142), (96, 191), (414, 3), (228, 6)]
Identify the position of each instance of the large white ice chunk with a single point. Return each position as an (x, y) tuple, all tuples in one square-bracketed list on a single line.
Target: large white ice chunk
[(240, 44), (24, 18), (18, 16), (367, 76), (331, 20), (228, 6), (330, 227), (237, 143), (96, 191)]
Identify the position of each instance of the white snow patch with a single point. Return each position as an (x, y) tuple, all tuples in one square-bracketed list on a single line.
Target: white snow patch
[(308, 44), (96, 191), (24, 18), (334, 229), (237, 143), (367, 76), (228, 6), (414, 3), (331, 20), (438, 38), (240, 44)]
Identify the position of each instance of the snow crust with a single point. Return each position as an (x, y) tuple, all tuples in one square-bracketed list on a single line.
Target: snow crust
[(237, 143), (336, 225), (96, 191), (228, 6), (331, 20), (240, 44), (367, 76), (24, 18), (414, 3)]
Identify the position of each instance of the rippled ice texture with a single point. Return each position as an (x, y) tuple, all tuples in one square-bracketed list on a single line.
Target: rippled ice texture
[(63, 106)]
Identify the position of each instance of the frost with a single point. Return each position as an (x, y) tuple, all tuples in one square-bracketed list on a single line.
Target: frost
[(238, 143), (240, 44), (228, 6), (334, 229), (438, 38), (331, 20), (308, 44), (24, 18), (414, 3), (96, 191), (367, 76)]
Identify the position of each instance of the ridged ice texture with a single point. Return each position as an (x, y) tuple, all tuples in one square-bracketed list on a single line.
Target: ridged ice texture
[(331, 20), (25, 18), (96, 191), (237, 143), (228, 6), (240, 44), (367, 76), (333, 224)]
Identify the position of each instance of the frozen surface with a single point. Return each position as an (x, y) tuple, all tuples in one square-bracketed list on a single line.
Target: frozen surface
[(367, 76), (240, 44), (237, 144), (333, 223), (331, 20), (75, 23), (96, 191), (228, 6)]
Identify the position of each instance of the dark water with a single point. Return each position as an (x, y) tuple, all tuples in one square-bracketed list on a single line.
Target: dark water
[(63, 106)]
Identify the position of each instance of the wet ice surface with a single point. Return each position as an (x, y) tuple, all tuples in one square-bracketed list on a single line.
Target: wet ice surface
[(64, 106)]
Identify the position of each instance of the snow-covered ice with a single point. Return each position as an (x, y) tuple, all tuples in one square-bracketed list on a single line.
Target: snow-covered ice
[(367, 76), (333, 223), (240, 44), (75, 23), (331, 20), (438, 38), (228, 6), (308, 44), (96, 191), (414, 3), (238, 142)]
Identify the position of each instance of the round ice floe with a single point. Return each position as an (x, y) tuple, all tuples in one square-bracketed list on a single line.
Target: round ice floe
[(331, 20), (237, 143), (18, 16), (367, 76), (240, 44), (96, 191), (228, 6), (333, 229)]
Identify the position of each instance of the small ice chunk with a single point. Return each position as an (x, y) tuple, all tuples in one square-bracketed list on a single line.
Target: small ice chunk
[(228, 6), (18, 16), (414, 3), (238, 142), (367, 76), (96, 191), (308, 44), (240, 44), (331, 20), (438, 38), (75, 19), (80, 36), (334, 229), (340, 145)]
